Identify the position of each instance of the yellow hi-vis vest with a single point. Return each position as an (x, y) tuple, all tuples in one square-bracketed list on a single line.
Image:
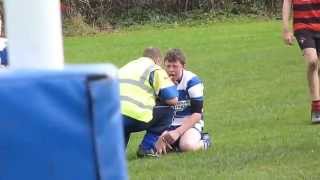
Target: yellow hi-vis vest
[(137, 95)]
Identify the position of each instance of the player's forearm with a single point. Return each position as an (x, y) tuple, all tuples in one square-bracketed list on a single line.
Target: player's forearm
[(189, 122), (286, 14), (172, 101)]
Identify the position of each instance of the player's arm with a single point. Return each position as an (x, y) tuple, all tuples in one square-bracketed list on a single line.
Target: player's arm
[(196, 95), (287, 34), (167, 92), (188, 123), (164, 87), (172, 101)]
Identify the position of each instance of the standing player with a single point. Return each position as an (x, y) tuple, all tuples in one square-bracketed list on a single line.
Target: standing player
[(185, 132), (306, 26)]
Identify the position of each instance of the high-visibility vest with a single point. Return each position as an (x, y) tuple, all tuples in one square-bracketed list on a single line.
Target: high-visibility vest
[(137, 95)]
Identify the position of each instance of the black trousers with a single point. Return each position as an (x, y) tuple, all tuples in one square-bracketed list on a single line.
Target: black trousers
[(162, 119)]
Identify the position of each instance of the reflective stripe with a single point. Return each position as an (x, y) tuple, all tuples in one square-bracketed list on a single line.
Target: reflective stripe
[(136, 91), (144, 75), (133, 101), (141, 81), (136, 83)]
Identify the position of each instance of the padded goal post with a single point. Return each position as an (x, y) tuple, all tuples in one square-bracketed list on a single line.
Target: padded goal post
[(61, 124)]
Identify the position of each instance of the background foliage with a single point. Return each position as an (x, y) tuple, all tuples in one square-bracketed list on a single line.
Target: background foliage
[(109, 14), (83, 17)]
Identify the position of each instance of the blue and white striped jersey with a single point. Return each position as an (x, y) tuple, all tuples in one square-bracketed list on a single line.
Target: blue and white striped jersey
[(190, 88)]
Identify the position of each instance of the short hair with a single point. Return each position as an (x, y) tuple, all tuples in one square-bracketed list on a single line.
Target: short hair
[(153, 53), (174, 55)]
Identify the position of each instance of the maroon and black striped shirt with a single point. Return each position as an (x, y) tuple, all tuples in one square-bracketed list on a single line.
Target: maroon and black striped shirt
[(306, 15)]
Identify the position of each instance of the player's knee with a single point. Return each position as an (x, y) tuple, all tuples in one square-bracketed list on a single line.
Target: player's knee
[(313, 64), (188, 146)]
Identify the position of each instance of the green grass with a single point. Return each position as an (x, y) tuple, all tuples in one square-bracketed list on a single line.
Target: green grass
[(256, 100)]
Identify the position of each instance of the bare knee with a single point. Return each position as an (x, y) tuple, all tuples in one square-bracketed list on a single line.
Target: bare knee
[(313, 64), (190, 140), (311, 58), (188, 146)]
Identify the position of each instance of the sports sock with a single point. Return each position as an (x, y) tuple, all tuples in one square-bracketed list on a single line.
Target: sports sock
[(206, 144), (315, 106)]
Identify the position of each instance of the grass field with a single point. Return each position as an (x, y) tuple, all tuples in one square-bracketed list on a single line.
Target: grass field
[(256, 100)]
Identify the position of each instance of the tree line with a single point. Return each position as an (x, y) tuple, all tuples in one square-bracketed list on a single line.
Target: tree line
[(101, 11), (87, 16)]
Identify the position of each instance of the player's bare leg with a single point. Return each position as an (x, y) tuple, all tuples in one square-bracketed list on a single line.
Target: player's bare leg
[(191, 141), (312, 61)]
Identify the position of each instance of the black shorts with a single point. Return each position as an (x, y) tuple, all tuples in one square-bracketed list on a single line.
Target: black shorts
[(308, 39)]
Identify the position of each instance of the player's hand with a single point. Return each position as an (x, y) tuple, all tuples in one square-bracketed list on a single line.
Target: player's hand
[(162, 145), (171, 136), (288, 37)]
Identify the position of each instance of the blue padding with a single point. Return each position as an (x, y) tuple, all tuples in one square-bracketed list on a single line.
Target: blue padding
[(60, 125)]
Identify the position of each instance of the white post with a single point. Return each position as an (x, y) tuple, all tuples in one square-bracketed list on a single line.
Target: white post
[(34, 34)]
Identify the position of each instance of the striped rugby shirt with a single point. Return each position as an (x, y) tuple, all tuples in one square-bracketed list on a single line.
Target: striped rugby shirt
[(306, 15), (190, 88)]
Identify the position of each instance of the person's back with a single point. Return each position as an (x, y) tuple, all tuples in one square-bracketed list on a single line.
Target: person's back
[(137, 97), (305, 13)]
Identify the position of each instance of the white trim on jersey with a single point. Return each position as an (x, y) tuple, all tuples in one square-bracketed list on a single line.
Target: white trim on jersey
[(196, 91), (186, 77)]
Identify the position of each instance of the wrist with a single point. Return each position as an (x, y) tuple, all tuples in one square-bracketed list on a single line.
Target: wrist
[(286, 30), (179, 132)]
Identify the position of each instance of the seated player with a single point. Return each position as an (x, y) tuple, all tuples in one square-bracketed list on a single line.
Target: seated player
[(185, 132)]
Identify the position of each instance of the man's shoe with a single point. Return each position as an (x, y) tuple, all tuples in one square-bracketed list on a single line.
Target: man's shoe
[(142, 153), (206, 140), (315, 117)]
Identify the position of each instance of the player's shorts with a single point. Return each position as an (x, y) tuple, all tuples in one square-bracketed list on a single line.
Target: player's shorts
[(308, 39)]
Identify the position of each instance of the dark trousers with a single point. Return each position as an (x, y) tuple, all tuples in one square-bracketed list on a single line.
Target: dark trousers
[(162, 119)]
